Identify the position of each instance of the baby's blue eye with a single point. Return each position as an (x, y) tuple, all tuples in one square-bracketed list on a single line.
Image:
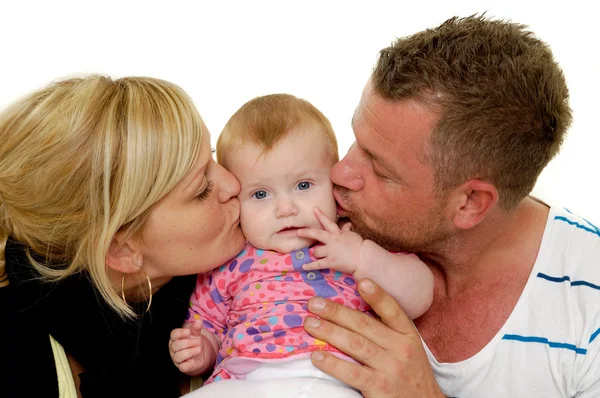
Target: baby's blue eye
[(303, 186), (260, 194)]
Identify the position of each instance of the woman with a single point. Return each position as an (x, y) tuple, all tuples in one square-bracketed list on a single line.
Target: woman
[(110, 203)]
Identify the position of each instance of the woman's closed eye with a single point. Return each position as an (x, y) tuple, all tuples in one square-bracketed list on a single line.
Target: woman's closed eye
[(205, 193)]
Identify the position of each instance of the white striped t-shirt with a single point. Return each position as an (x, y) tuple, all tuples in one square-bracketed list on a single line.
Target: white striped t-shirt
[(550, 344)]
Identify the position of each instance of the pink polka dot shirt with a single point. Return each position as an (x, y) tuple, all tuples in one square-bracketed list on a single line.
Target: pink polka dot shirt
[(256, 305)]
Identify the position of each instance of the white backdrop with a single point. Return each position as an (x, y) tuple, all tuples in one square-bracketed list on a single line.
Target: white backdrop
[(225, 52)]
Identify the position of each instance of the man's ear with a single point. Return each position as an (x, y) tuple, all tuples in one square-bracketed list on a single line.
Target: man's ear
[(472, 202), (124, 255)]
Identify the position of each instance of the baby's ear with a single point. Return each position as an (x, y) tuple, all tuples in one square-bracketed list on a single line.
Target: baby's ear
[(124, 255)]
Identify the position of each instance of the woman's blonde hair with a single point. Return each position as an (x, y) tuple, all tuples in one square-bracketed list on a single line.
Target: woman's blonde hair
[(85, 158)]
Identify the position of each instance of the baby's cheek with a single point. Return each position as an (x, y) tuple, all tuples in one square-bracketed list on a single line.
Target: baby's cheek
[(331, 209), (248, 225), (254, 231), (315, 224)]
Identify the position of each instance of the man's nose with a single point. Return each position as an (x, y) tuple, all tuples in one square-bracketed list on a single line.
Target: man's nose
[(348, 172)]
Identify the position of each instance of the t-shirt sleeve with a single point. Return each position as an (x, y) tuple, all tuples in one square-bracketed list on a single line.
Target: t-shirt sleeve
[(589, 385), (584, 263)]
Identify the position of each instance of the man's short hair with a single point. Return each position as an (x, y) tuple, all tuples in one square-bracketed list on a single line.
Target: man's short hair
[(502, 99)]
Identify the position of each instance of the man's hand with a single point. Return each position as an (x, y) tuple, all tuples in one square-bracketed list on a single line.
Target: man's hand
[(341, 247), (394, 361)]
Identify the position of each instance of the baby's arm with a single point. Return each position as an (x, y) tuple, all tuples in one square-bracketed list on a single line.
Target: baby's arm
[(404, 276), (193, 349)]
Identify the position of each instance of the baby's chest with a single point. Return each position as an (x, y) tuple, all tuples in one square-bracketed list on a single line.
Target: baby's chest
[(272, 284)]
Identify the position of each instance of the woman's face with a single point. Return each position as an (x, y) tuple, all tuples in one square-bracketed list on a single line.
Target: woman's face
[(195, 228)]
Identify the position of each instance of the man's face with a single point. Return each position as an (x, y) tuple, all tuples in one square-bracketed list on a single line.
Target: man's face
[(384, 185)]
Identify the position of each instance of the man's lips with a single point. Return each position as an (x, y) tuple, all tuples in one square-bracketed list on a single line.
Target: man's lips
[(340, 210)]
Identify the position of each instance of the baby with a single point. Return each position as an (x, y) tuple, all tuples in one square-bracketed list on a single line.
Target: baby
[(248, 314)]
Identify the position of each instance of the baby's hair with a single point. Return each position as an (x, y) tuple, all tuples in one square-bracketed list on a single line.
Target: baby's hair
[(266, 120)]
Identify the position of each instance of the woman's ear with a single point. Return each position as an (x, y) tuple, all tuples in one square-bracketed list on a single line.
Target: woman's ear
[(124, 255)]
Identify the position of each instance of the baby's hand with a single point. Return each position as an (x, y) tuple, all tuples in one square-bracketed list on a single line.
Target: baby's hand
[(341, 247), (191, 351)]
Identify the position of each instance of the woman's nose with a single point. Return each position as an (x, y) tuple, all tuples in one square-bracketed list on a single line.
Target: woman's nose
[(228, 185)]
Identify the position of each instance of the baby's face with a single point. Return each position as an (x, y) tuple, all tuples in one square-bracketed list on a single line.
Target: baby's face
[(281, 189)]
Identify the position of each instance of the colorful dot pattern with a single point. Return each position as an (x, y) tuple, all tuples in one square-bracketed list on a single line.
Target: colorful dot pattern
[(256, 305)]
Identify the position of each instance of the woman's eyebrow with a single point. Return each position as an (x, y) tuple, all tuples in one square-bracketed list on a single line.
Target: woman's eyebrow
[(193, 184)]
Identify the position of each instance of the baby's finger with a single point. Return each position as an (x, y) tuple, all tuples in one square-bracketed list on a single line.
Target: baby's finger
[(316, 234), (196, 329), (318, 264), (184, 344), (180, 333), (187, 366), (347, 227), (326, 222), (181, 356), (321, 251)]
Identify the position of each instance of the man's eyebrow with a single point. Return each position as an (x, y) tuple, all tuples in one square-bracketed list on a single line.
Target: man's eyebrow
[(378, 159), (370, 154)]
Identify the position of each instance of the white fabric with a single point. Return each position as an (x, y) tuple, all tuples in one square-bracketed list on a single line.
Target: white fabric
[(291, 379), (284, 370), (550, 344), (66, 384)]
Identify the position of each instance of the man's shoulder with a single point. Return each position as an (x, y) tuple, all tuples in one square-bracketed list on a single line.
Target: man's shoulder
[(563, 216), (570, 252), (577, 235), (569, 261)]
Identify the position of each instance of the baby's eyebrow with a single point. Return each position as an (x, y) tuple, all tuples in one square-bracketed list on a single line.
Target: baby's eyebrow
[(252, 186)]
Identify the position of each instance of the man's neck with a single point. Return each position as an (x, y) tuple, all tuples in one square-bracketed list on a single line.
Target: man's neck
[(504, 244), (478, 281)]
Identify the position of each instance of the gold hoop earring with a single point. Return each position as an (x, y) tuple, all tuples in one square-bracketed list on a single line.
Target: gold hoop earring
[(149, 289)]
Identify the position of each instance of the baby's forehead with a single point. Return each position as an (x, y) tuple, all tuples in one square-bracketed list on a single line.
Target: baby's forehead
[(283, 174)]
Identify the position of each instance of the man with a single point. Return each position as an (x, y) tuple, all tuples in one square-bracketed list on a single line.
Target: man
[(452, 130)]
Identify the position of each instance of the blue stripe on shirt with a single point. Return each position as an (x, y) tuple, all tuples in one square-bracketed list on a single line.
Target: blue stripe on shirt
[(594, 335), (593, 229), (591, 225), (543, 340), (567, 279)]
